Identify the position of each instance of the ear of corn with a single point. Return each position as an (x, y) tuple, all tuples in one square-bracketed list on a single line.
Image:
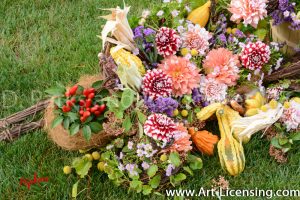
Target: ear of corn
[(208, 111), (200, 15), (231, 152), (125, 58)]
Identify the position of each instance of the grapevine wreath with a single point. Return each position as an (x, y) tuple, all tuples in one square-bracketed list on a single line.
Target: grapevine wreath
[(183, 80)]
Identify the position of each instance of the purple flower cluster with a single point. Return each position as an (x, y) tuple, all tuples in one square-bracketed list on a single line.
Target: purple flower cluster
[(131, 168), (169, 169), (145, 150), (143, 37), (286, 13), (196, 95), (165, 105)]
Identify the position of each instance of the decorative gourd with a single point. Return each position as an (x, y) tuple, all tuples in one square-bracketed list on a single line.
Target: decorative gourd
[(231, 152), (200, 15), (204, 141)]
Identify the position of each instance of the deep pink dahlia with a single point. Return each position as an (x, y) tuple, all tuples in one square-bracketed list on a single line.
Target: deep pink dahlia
[(156, 83), (255, 55), (167, 41), (160, 127)]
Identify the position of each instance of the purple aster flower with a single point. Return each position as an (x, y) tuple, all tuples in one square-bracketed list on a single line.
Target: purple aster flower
[(138, 32), (165, 105), (121, 167), (239, 34), (222, 38), (169, 169), (149, 31), (131, 169), (196, 95)]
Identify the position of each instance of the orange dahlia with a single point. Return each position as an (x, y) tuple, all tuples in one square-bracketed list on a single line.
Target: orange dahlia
[(185, 75), (222, 65)]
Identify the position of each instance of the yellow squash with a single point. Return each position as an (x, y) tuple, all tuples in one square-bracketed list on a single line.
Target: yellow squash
[(200, 15), (231, 152)]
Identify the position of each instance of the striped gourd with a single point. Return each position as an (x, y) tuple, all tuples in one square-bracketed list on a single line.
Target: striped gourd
[(125, 58), (231, 152), (208, 111)]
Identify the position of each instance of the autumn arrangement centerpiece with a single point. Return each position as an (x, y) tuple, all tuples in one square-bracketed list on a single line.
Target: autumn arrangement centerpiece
[(187, 79)]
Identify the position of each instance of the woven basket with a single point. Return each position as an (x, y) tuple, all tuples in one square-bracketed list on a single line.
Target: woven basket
[(62, 138), (282, 33)]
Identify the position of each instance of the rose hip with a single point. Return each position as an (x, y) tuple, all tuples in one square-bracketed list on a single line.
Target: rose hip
[(102, 107), (91, 96), (73, 90), (88, 103), (81, 102), (66, 108)]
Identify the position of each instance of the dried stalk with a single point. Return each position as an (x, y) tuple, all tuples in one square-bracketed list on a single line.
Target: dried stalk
[(16, 131), (22, 115)]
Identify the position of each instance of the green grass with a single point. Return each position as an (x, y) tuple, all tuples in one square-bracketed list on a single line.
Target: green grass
[(47, 41)]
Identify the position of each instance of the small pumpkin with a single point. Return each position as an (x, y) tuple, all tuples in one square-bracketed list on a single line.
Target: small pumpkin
[(204, 141)]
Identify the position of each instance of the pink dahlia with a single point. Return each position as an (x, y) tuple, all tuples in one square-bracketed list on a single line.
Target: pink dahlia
[(222, 65), (182, 141), (185, 75), (212, 90), (167, 41), (156, 83), (160, 127), (251, 11), (196, 38), (255, 55)]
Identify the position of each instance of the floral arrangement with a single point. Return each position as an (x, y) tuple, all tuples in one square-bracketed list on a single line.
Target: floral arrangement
[(179, 67)]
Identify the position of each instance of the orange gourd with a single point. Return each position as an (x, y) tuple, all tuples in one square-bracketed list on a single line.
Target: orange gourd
[(204, 141)]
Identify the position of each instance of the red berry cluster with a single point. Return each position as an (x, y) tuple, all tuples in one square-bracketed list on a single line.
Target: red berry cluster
[(70, 103), (86, 106)]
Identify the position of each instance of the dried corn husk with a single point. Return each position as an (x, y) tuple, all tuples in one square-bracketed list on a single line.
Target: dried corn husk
[(118, 25)]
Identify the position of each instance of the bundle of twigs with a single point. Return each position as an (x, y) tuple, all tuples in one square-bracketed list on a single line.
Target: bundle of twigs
[(17, 130), (290, 72), (9, 129)]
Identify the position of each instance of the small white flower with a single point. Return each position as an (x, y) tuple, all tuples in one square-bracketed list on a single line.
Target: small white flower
[(278, 63), (160, 13), (286, 13), (108, 147), (179, 1), (181, 21), (146, 14), (175, 13), (166, 1), (142, 21), (180, 29), (249, 77), (188, 8)]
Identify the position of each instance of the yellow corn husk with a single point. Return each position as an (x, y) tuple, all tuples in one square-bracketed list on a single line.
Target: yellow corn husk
[(231, 152), (200, 15), (208, 111), (125, 58)]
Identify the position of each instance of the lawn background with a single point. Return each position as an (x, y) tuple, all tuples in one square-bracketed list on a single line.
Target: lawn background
[(47, 41)]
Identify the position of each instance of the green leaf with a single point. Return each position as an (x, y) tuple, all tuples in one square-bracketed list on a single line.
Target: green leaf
[(127, 123), (188, 170), (175, 159), (295, 136), (142, 118), (119, 114), (82, 166), (73, 116), (194, 162), (275, 143), (80, 89), (152, 170), (283, 141), (58, 102), (74, 129), (74, 189), (261, 33), (57, 121), (127, 98), (141, 130), (97, 85), (87, 132), (96, 127), (137, 185), (104, 93), (179, 177), (146, 190), (66, 123), (154, 182), (57, 91), (105, 156)]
